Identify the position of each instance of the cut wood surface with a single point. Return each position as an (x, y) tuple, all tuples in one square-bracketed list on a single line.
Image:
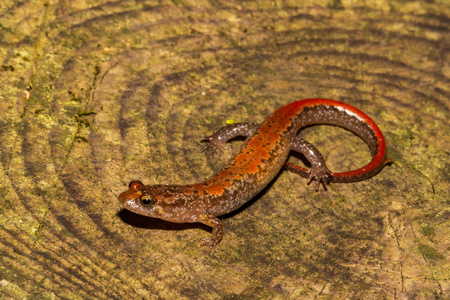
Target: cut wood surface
[(95, 94)]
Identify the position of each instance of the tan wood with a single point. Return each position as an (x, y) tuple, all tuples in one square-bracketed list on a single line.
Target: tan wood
[(95, 94)]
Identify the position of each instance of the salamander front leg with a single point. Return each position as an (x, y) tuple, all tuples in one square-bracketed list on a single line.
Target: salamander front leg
[(318, 171), (217, 141), (217, 231)]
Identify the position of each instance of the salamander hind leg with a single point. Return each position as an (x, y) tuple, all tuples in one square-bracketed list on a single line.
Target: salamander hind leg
[(218, 140), (318, 171), (217, 231)]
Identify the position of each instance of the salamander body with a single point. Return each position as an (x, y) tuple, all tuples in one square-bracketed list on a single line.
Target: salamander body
[(259, 160)]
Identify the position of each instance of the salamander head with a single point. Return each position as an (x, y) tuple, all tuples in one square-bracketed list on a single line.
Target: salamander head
[(157, 201)]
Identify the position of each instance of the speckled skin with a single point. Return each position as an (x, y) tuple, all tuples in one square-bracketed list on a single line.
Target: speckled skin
[(261, 157)]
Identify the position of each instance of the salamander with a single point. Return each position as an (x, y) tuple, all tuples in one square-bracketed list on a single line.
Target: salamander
[(261, 157)]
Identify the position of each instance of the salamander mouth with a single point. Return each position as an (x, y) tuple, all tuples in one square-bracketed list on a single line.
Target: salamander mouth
[(122, 199)]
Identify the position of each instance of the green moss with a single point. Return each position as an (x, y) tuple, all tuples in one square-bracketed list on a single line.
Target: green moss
[(427, 231), (429, 252)]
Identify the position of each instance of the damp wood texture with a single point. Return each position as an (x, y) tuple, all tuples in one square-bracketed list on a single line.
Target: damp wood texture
[(95, 94)]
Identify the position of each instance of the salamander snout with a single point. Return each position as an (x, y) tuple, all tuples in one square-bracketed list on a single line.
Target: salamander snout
[(135, 191)]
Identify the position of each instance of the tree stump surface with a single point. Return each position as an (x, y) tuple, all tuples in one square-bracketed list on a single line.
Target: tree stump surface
[(95, 94)]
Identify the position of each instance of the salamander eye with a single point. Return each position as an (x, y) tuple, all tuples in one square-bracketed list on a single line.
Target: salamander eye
[(147, 201)]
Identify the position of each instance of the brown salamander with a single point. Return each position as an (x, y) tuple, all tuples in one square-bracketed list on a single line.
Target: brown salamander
[(260, 158)]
